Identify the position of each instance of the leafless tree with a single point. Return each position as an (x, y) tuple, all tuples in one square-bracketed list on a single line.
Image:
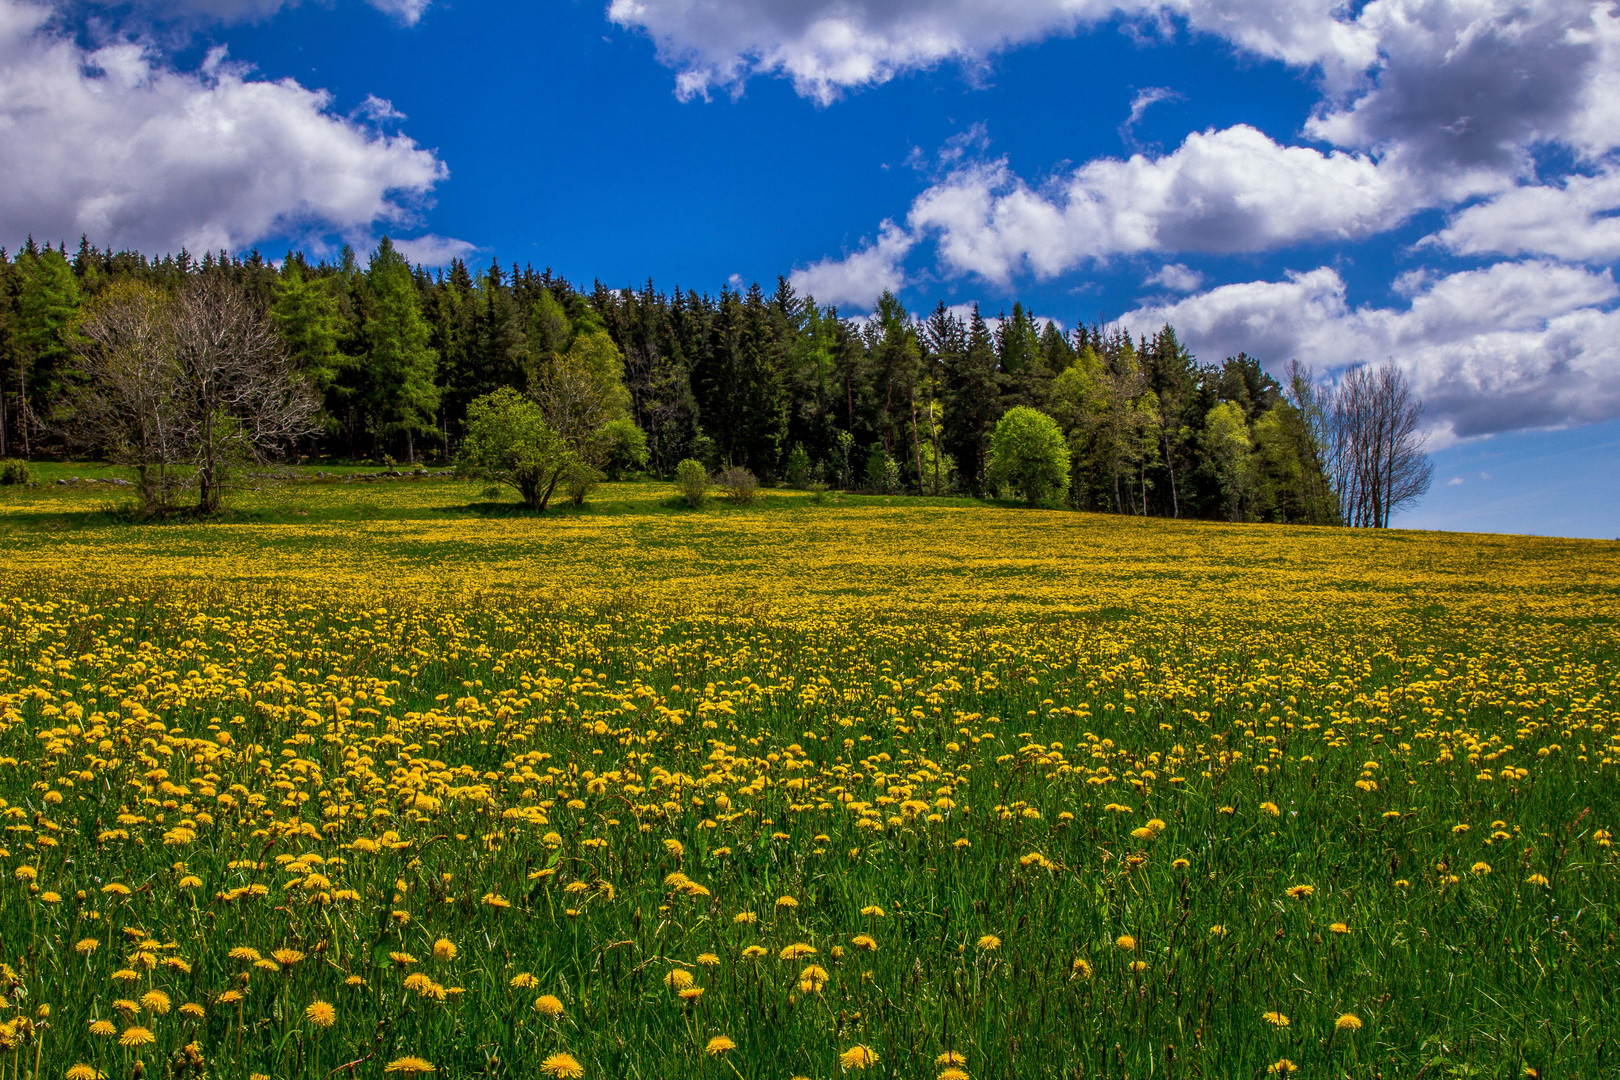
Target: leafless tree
[(128, 406), (188, 388), (1375, 443), (244, 400)]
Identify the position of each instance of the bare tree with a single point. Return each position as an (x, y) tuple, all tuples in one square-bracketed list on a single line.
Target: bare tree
[(128, 406), (1375, 445), (185, 389), (244, 401)]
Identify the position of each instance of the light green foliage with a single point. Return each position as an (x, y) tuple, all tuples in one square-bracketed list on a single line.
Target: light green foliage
[(508, 441), (693, 480), (14, 471), (579, 480), (622, 448), (798, 467), (1028, 456), (882, 472), (400, 362), (1230, 448), (307, 315)]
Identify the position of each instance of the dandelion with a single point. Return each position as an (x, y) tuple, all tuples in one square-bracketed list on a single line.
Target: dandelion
[(786, 902), (708, 960), (86, 946), (562, 1066), (950, 1057), (1338, 928), (1275, 1019), (410, 1066), (444, 949), (1536, 879), (1217, 930), (1348, 1022), (718, 1045), (754, 952), (401, 959), (953, 1073), (523, 980), (1281, 1067), (192, 1010), (691, 994), (679, 979), (321, 1014), (136, 1035), (1480, 869), (1080, 969), (745, 918), (548, 1005), (812, 979), (245, 954), (1271, 809), (1125, 942), (989, 943), (82, 1071), (797, 951), (102, 1027), (287, 957), (872, 911), (156, 1001), (858, 1057), (1301, 892), (864, 941)]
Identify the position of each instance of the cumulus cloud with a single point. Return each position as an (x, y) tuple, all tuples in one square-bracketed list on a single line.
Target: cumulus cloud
[(1514, 345), (1572, 219), (1221, 191), (827, 47), (116, 143), (858, 279), (431, 249), (1177, 278)]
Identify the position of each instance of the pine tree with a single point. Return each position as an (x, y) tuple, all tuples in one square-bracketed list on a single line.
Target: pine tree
[(972, 403), (400, 362)]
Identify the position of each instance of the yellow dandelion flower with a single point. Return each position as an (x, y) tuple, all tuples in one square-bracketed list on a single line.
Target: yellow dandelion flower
[(82, 1071), (548, 1005), (786, 902), (321, 1014), (401, 959), (192, 1010), (691, 993), (754, 952), (864, 941), (708, 959), (86, 946), (136, 1036), (1125, 942), (1301, 892), (102, 1027), (797, 951), (953, 1073), (157, 1001), (1281, 1068), (719, 1045), (989, 943), (1275, 1019), (1348, 1022), (287, 957), (562, 1067), (1338, 928), (1536, 879), (246, 954), (444, 949), (1080, 969), (1481, 868), (410, 1066), (523, 980), (950, 1057), (679, 979), (872, 911), (812, 979), (858, 1057)]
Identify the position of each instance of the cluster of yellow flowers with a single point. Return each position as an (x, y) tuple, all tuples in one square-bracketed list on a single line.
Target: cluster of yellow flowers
[(628, 805)]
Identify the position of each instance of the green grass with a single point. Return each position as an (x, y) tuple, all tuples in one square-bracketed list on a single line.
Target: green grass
[(392, 666)]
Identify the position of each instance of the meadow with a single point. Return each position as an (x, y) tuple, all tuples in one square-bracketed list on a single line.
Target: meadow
[(375, 779)]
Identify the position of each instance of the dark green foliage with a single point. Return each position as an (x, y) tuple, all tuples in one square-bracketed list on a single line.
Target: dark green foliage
[(772, 382)]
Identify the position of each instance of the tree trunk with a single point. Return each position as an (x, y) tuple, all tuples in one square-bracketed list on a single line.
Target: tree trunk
[(1170, 463)]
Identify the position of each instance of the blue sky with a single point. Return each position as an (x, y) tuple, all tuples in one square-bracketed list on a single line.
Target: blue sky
[(1433, 184)]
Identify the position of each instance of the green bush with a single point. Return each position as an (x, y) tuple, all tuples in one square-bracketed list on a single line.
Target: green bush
[(1028, 456), (693, 480), (15, 471), (579, 480), (798, 467)]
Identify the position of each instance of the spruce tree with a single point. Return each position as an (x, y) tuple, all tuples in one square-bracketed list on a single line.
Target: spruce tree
[(400, 363)]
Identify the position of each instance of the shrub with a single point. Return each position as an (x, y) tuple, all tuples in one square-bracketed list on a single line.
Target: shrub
[(737, 485), (623, 448), (693, 480), (579, 480), (15, 471), (1028, 456), (508, 441), (798, 467), (882, 472)]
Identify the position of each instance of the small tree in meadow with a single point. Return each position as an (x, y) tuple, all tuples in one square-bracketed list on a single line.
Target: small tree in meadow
[(1028, 456), (738, 485), (693, 480), (509, 442)]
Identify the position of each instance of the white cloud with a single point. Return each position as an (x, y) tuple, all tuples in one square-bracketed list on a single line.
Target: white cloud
[(408, 12), (1177, 278), (1454, 481), (829, 46), (118, 144), (1221, 191), (1514, 345), (858, 279), (1140, 104), (1573, 219), (433, 250)]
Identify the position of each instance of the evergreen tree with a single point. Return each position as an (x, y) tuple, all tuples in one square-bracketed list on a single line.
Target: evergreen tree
[(400, 362), (972, 403)]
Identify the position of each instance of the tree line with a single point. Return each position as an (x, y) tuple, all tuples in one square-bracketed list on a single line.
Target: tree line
[(390, 359)]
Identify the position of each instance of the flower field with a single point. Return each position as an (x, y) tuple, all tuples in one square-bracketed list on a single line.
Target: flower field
[(364, 782)]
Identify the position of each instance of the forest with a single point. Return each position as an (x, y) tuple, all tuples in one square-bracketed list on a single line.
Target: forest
[(395, 357)]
